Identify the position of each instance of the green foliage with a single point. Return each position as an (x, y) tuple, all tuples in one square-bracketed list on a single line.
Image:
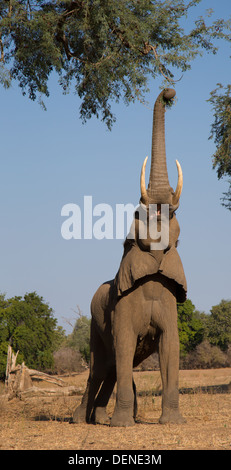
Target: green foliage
[(107, 49), (28, 325), (80, 337), (220, 98), (191, 327), (205, 340), (219, 325)]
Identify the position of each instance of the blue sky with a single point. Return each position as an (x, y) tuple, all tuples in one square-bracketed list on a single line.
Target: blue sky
[(49, 159)]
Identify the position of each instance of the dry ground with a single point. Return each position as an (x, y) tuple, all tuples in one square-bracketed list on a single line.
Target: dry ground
[(44, 423)]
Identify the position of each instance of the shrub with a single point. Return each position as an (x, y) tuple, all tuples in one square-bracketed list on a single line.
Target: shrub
[(205, 356), (68, 360), (228, 356), (80, 337), (151, 363)]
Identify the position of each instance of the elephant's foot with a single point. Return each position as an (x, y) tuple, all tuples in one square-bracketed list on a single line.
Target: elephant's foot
[(171, 416), (122, 418), (100, 416), (79, 415)]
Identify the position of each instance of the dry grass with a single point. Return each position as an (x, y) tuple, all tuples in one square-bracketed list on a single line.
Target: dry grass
[(44, 423)]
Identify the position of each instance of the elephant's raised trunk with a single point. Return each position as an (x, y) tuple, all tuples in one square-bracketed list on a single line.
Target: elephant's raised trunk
[(159, 190), (158, 179)]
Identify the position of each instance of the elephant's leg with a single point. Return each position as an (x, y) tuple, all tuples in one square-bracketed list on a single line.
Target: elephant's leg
[(100, 415), (169, 366), (125, 344), (97, 375), (82, 414)]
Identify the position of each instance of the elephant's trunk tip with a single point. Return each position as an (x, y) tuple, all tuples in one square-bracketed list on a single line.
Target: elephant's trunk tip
[(169, 94)]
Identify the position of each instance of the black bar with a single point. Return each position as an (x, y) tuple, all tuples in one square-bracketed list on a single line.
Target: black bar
[(106, 458)]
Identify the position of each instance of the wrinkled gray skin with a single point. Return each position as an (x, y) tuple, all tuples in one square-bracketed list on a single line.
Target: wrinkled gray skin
[(135, 314)]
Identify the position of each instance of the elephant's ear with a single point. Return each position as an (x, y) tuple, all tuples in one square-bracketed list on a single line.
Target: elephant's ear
[(171, 267), (134, 265)]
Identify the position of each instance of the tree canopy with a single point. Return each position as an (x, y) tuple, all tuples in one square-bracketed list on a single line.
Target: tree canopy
[(191, 327), (107, 49), (220, 98), (28, 325), (219, 325), (197, 327)]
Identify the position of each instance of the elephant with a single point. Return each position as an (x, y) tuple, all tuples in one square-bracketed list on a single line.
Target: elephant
[(135, 314)]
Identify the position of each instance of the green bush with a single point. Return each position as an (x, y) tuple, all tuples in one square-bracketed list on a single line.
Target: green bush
[(219, 325), (28, 325), (190, 326)]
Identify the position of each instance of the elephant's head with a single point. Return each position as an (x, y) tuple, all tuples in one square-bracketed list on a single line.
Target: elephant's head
[(159, 191)]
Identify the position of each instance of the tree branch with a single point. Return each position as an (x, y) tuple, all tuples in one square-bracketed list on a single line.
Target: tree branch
[(60, 35), (2, 50), (148, 48)]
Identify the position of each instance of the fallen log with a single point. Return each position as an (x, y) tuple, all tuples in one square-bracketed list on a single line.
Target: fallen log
[(37, 375), (19, 381), (48, 392)]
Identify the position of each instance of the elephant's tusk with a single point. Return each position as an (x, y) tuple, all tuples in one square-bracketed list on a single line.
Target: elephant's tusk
[(144, 195), (176, 195)]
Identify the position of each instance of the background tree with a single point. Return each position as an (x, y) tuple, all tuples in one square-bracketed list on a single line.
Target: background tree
[(107, 49), (191, 327), (220, 98), (205, 340), (79, 339), (219, 325), (28, 325)]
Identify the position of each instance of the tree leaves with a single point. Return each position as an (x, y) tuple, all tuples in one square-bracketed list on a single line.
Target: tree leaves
[(219, 325), (28, 325), (220, 98), (190, 326), (107, 49), (196, 327)]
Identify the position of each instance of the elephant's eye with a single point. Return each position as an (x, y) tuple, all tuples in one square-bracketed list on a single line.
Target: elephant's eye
[(177, 243)]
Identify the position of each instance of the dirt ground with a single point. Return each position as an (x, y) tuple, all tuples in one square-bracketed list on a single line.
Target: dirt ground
[(44, 423)]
